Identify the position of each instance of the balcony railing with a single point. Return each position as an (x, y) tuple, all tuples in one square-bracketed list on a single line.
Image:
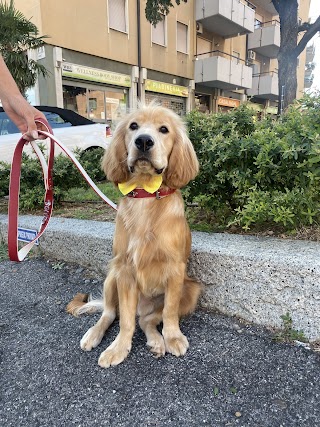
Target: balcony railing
[(265, 39), (227, 18), (265, 86), (222, 70)]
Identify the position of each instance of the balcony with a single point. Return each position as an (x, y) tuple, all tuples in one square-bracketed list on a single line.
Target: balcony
[(223, 71), (265, 86), (266, 5), (227, 18), (265, 39)]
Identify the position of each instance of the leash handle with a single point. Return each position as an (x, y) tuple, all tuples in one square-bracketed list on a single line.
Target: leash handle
[(14, 189)]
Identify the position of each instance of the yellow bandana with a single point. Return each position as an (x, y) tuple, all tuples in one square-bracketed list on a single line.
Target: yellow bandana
[(151, 186)]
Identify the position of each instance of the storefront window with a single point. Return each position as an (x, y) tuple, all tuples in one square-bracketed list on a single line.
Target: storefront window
[(75, 99), (100, 105), (202, 103), (116, 104), (175, 103), (96, 105)]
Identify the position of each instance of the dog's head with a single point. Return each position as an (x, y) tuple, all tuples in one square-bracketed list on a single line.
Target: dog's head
[(151, 141)]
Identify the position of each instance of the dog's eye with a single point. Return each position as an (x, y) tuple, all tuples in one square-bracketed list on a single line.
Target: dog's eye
[(134, 126), (164, 129)]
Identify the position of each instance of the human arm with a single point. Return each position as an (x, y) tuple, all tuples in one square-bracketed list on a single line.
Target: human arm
[(17, 108)]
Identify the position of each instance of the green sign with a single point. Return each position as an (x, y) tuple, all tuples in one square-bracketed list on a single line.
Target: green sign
[(95, 75), (170, 89)]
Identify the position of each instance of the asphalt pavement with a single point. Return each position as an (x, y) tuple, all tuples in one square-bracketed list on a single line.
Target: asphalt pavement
[(234, 374)]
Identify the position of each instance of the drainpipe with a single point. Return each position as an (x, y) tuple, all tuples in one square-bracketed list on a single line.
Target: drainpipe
[(139, 47), (246, 63)]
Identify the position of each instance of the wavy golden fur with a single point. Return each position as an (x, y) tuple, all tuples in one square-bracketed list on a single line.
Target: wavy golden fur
[(147, 275)]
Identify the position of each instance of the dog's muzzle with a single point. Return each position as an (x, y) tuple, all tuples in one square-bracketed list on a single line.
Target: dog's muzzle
[(144, 143)]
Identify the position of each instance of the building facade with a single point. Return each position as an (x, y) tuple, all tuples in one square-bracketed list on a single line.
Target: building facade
[(206, 54)]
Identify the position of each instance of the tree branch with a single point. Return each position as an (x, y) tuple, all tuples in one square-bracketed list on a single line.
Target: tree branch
[(312, 31), (304, 27)]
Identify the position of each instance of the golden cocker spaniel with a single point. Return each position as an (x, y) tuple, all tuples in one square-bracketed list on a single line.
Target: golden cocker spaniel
[(150, 158)]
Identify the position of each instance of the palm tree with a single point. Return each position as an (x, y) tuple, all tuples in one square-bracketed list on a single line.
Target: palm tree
[(17, 35)]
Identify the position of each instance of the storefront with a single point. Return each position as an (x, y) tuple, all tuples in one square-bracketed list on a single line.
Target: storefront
[(169, 95), (99, 95), (263, 111), (202, 102)]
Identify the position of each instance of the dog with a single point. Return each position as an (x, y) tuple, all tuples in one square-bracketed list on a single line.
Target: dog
[(150, 158)]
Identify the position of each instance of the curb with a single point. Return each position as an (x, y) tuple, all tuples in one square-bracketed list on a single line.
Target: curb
[(257, 279)]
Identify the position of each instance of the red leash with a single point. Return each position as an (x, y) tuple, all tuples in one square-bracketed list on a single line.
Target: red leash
[(14, 190)]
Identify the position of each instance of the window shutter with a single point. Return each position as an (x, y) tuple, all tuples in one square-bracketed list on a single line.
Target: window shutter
[(182, 37), (117, 15)]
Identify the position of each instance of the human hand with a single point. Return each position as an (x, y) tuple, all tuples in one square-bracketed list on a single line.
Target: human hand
[(24, 115)]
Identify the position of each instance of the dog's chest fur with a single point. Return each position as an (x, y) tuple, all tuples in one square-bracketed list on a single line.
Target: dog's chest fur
[(147, 223)]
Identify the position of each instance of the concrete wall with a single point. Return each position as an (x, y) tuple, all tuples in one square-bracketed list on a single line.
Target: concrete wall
[(257, 279)]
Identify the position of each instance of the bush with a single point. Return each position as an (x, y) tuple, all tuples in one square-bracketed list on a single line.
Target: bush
[(65, 176), (253, 173)]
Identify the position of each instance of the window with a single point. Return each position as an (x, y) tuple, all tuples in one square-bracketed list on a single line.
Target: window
[(182, 37), (117, 15), (159, 32)]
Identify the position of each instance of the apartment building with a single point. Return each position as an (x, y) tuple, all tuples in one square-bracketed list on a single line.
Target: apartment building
[(102, 56), (236, 50)]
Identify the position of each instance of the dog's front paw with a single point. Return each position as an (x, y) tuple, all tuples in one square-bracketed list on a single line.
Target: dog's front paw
[(114, 354), (176, 344), (91, 338), (156, 346)]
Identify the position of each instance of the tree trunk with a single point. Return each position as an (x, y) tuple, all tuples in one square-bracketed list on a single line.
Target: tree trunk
[(287, 58), (287, 74)]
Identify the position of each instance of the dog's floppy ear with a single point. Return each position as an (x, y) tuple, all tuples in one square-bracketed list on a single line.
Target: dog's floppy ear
[(114, 162), (183, 164)]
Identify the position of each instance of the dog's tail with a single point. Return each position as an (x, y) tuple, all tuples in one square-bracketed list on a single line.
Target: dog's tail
[(190, 295), (84, 304)]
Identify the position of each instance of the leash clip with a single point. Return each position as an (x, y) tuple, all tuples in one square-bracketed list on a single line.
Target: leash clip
[(158, 195)]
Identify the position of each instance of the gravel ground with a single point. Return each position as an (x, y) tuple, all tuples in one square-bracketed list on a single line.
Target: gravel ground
[(233, 374)]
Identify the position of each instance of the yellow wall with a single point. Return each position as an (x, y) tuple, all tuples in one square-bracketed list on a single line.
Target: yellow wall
[(167, 59), (76, 25)]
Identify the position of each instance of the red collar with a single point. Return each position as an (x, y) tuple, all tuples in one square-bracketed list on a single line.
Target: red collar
[(140, 193)]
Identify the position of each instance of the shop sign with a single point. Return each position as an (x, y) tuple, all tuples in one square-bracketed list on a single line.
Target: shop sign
[(228, 102), (94, 74), (167, 88), (41, 53)]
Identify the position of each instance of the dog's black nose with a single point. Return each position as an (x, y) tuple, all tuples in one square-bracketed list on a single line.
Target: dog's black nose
[(144, 142)]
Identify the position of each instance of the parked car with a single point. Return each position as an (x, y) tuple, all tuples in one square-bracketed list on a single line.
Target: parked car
[(73, 130)]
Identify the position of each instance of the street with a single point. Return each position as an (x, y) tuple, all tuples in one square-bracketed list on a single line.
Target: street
[(232, 375)]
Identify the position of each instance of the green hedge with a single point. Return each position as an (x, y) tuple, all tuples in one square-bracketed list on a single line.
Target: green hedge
[(65, 176), (254, 173)]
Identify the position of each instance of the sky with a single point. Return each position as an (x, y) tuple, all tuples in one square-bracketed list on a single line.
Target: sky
[(314, 13)]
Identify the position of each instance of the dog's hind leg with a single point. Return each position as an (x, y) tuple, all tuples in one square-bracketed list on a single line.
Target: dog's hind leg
[(94, 335), (150, 311)]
